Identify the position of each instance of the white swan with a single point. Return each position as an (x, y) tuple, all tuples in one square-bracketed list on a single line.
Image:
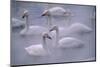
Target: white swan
[(66, 42), (70, 42), (76, 29), (39, 49), (55, 11), (31, 30), (17, 23)]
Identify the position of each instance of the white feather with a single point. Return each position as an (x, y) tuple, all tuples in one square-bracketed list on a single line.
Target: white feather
[(55, 11), (16, 22), (39, 49), (36, 50), (70, 42), (33, 30), (78, 28), (66, 42)]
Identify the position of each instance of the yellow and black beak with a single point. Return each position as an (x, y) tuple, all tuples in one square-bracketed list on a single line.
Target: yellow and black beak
[(23, 16), (49, 37), (43, 14), (53, 28)]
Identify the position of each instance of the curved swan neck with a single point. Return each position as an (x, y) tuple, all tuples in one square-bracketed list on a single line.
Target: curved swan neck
[(44, 42), (67, 20), (26, 23), (57, 36), (49, 20)]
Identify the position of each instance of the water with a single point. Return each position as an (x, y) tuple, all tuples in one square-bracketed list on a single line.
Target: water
[(82, 15)]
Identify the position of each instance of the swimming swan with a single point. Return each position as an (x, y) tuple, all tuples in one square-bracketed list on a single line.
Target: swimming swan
[(39, 49), (31, 30), (66, 42)]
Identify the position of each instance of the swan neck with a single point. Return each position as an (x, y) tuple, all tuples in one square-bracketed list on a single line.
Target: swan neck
[(49, 22), (44, 42), (26, 23), (57, 36), (67, 19)]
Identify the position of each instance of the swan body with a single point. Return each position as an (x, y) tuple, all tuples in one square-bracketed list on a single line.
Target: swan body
[(39, 49), (33, 30), (76, 28), (66, 42), (17, 23), (70, 42), (79, 28), (36, 50), (55, 11)]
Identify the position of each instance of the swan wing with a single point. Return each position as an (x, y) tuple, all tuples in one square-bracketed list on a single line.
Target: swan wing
[(36, 50), (69, 42), (57, 11), (78, 28), (23, 32), (16, 22), (36, 30)]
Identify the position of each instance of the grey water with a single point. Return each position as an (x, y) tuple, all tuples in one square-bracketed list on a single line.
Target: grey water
[(82, 14)]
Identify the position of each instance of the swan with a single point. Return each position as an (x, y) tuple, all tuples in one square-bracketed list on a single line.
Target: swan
[(70, 42), (31, 30), (17, 23), (39, 49), (76, 29), (55, 11), (66, 42)]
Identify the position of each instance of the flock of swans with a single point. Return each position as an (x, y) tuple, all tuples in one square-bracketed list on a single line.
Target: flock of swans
[(62, 40)]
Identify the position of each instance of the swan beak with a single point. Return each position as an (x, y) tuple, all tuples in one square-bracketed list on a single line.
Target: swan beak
[(49, 37), (23, 16), (52, 29), (43, 14)]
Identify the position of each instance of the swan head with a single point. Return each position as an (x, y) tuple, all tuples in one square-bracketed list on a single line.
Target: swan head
[(54, 28), (68, 13), (46, 35), (25, 14), (45, 13)]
